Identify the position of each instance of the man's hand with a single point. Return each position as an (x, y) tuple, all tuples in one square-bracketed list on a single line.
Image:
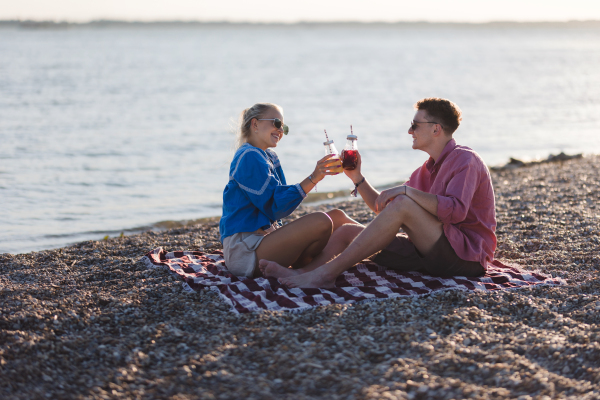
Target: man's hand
[(388, 195), (355, 175)]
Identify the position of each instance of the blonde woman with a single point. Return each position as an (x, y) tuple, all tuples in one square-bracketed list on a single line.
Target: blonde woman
[(257, 197)]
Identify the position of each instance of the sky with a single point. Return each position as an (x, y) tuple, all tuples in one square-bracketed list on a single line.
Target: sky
[(288, 11)]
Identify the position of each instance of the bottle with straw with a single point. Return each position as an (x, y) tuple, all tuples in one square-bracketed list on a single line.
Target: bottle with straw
[(330, 149), (350, 152)]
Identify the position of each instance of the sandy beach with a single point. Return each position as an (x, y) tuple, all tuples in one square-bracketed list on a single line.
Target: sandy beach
[(89, 321)]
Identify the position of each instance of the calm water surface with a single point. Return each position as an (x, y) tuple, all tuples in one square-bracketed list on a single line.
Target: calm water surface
[(105, 130)]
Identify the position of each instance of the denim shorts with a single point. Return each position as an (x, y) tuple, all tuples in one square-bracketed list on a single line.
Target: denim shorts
[(239, 250), (402, 255)]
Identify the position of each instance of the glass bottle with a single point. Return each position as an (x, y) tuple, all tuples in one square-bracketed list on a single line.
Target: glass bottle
[(330, 149), (350, 153)]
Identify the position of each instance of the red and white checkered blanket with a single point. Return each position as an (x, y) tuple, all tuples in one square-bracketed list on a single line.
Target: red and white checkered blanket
[(364, 282)]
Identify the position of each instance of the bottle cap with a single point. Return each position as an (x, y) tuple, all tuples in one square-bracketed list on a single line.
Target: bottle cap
[(353, 137), (327, 143)]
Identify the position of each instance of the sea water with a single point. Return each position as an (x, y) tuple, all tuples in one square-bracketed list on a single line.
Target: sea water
[(109, 129)]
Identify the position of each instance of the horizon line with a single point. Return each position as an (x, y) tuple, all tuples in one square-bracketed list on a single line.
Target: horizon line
[(52, 22)]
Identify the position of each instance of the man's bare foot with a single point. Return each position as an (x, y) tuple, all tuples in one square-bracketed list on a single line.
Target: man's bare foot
[(312, 279), (271, 269)]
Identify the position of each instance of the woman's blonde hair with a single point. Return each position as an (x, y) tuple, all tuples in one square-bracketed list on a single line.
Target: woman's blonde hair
[(256, 111)]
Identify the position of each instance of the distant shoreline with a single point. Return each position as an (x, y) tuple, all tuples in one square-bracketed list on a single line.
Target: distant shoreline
[(62, 24)]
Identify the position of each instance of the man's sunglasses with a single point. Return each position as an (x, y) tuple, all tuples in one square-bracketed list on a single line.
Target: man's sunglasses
[(277, 123), (413, 124)]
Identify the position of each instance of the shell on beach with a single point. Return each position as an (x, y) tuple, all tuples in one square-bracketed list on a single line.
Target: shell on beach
[(90, 321)]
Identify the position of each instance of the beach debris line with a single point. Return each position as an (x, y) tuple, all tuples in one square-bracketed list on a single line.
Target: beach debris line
[(516, 163)]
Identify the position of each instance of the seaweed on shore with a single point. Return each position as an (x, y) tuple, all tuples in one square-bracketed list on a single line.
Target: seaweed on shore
[(516, 163)]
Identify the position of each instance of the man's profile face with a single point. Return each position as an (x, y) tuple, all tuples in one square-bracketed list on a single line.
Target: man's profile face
[(423, 132)]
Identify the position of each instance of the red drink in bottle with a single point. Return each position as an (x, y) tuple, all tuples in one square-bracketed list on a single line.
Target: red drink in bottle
[(349, 159), (350, 153)]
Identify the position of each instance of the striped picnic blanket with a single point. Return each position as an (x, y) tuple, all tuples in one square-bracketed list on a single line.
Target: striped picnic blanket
[(366, 281)]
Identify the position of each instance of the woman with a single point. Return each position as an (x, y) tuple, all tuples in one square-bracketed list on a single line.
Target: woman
[(257, 197)]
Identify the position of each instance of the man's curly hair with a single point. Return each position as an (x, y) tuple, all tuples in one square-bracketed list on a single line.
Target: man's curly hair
[(442, 111)]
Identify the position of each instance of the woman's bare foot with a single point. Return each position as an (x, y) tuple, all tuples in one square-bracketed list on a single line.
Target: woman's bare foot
[(271, 269), (312, 279)]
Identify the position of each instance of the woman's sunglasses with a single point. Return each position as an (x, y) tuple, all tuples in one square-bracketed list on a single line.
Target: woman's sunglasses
[(277, 123)]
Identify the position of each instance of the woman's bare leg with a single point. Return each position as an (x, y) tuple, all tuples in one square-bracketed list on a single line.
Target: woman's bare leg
[(304, 238), (339, 218), (308, 260), (339, 241)]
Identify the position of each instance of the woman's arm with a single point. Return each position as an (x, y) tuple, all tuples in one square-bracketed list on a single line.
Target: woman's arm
[(322, 169), (264, 186)]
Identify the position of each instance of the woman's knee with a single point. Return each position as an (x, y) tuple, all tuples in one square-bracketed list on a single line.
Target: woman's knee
[(322, 222)]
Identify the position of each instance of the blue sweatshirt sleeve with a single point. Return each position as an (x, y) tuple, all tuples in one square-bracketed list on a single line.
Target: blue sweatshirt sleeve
[(264, 185)]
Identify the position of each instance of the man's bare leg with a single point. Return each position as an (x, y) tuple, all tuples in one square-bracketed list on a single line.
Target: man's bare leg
[(422, 227), (339, 218), (338, 242)]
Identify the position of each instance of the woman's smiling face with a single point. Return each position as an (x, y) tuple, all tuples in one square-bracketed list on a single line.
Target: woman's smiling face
[(264, 133)]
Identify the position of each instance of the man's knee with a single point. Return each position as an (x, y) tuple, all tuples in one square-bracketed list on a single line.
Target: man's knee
[(402, 205), (336, 214), (338, 217), (347, 232)]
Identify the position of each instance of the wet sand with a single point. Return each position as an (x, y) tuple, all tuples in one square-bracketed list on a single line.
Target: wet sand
[(89, 321)]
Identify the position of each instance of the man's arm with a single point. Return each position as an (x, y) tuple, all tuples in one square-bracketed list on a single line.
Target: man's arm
[(427, 201), (367, 192)]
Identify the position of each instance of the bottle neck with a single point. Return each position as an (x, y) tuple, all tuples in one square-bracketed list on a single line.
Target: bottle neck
[(330, 149)]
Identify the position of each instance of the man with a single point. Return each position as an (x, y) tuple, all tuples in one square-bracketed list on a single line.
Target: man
[(446, 210)]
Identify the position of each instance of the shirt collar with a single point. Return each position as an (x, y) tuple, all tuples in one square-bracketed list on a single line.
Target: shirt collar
[(432, 165)]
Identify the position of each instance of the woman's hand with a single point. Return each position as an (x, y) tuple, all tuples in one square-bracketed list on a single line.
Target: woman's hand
[(388, 195), (324, 166), (355, 175)]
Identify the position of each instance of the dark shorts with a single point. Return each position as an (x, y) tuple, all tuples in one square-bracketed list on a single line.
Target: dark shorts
[(402, 255)]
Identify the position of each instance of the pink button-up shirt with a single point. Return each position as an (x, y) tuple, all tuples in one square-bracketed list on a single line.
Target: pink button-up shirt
[(466, 206)]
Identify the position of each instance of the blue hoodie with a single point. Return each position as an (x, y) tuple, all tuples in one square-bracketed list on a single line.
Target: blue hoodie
[(256, 195)]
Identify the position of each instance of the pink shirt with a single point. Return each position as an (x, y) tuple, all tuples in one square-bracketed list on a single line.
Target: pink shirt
[(466, 206)]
